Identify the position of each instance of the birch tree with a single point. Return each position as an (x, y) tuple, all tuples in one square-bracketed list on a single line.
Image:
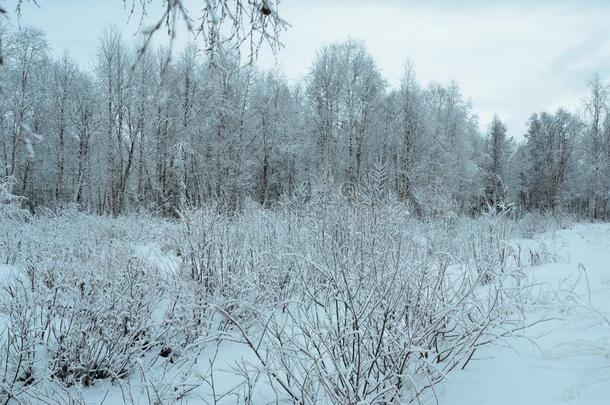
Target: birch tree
[(112, 70), (345, 90), (63, 77), (596, 148)]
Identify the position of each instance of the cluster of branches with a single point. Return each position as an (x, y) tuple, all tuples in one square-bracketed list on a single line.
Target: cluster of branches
[(142, 131), (219, 23)]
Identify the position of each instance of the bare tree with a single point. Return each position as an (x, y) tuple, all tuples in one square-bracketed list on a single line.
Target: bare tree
[(597, 147), (63, 77), (410, 116), (25, 59), (84, 122), (112, 73)]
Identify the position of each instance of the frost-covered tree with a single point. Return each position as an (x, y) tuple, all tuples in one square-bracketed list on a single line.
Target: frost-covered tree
[(549, 149), (595, 149), (112, 74), (498, 150), (405, 147), (411, 129), (25, 87), (454, 174), (345, 91), (275, 144), (63, 74), (84, 124)]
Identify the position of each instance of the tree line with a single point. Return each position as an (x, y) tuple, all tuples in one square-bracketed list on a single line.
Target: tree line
[(143, 130)]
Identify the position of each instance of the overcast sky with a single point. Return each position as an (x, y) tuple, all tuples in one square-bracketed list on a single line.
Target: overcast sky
[(510, 57)]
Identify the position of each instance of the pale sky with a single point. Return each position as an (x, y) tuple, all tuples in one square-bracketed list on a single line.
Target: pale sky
[(512, 58)]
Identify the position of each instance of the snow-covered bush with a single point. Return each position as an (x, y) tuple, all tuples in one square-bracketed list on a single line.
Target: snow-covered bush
[(11, 216), (487, 243), (533, 223), (92, 305), (114, 304), (18, 357), (81, 304), (10, 204), (368, 314), (488, 246), (336, 300)]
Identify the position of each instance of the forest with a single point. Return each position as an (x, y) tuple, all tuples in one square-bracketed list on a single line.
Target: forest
[(165, 134), (179, 225)]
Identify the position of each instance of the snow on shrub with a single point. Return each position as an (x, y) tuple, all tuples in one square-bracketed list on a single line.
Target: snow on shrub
[(337, 301), (368, 315)]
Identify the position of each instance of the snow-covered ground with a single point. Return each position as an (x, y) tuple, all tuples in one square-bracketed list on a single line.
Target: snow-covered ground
[(566, 360)]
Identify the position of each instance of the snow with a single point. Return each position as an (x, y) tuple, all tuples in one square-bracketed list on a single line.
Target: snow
[(5, 270), (561, 361), (156, 256), (565, 359)]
